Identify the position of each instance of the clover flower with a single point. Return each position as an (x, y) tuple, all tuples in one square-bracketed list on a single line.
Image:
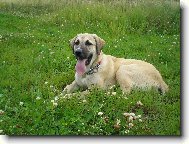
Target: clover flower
[(1, 112), (38, 98), (21, 103), (100, 113)]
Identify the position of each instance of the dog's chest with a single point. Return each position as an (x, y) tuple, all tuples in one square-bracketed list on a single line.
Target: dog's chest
[(87, 80)]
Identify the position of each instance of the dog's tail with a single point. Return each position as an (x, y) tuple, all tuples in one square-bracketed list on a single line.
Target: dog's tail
[(163, 88)]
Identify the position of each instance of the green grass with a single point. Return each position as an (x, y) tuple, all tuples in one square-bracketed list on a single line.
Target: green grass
[(37, 63)]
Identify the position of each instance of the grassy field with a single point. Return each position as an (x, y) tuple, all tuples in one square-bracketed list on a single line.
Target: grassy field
[(36, 63)]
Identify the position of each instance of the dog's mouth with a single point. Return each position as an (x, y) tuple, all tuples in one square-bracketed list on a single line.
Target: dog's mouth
[(89, 59), (82, 63), (86, 59)]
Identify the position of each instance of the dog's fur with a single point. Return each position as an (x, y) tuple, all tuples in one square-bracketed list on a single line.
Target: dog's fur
[(128, 73)]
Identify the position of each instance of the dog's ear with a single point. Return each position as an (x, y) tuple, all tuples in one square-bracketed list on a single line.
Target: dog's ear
[(72, 41), (99, 43)]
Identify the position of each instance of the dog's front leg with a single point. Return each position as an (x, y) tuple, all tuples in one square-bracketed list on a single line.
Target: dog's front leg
[(71, 88)]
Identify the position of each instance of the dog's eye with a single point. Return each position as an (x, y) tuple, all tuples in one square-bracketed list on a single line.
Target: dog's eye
[(77, 42), (88, 43)]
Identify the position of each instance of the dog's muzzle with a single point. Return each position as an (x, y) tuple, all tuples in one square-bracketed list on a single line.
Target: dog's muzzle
[(79, 53)]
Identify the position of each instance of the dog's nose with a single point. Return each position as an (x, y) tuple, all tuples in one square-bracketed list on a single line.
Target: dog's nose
[(78, 52)]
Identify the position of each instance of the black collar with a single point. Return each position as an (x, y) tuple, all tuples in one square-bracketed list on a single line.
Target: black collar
[(93, 69)]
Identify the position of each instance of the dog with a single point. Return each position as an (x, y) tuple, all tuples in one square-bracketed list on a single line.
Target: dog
[(94, 68)]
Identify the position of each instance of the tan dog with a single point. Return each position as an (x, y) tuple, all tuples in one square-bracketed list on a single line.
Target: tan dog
[(95, 68)]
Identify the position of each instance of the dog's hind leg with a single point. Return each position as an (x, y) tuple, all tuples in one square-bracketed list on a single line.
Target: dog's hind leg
[(123, 80)]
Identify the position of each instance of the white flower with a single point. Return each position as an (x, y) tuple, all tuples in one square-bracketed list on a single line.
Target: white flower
[(68, 57), (55, 104), (52, 101), (131, 125), (1, 131), (1, 112), (56, 98), (132, 114), (139, 103), (38, 98), (68, 95), (113, 93), (100, 113), (84, 101), (108, 93), (46, 82), (126, 114), (112, 87), (139, 116), (21, 103), (140, 120), (127, 131), (118, 122), (130, 119)]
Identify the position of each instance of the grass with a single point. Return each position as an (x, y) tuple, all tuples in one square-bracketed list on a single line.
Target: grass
[(37, 63)]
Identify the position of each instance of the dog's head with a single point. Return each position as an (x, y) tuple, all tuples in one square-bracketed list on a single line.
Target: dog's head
[(86, 48)]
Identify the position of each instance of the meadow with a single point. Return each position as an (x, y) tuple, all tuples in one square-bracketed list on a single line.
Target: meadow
[(36, 63)]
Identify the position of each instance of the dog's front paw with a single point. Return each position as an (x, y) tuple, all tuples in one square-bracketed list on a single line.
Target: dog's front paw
[(71, 88), (65, 90), (68, 89)]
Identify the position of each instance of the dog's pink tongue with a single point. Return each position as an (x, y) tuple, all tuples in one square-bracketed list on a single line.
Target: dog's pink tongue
[(80, 67)]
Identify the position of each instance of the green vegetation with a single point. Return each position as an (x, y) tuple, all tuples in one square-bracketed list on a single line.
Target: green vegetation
[(36, 63)]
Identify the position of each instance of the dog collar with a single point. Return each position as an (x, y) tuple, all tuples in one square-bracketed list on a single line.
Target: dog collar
[(94, 69)]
